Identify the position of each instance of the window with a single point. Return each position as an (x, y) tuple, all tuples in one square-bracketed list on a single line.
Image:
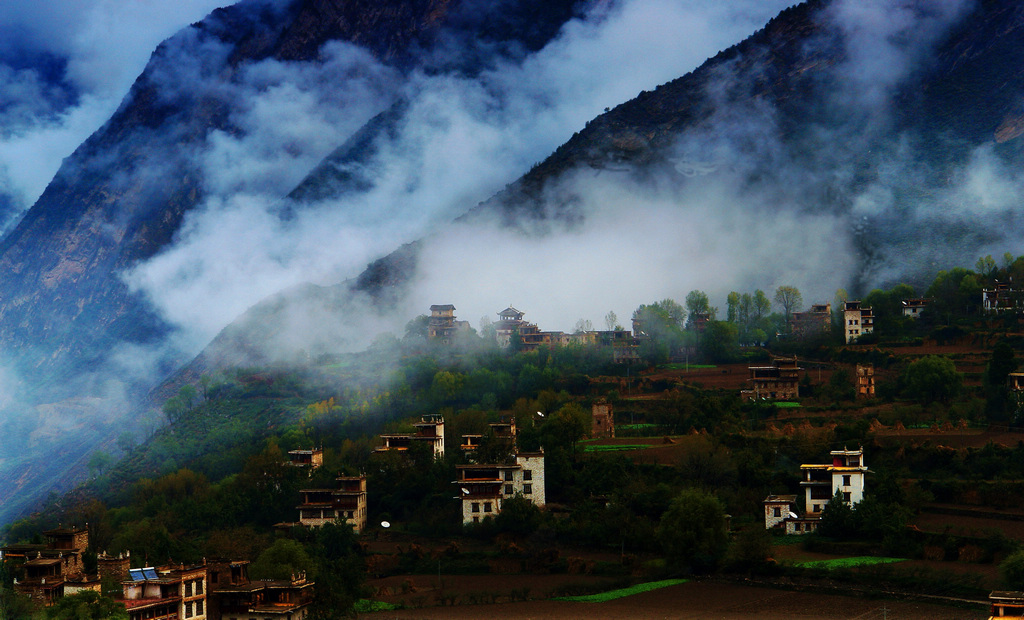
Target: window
[(527, 489), (487, 506), (188, 588), (508, 489), (846, 496), (188, 610), (199, 608), (476, 519), (199, 587), (476, 506), (846, 480), (527, 474), (776, 512), (508, 476)]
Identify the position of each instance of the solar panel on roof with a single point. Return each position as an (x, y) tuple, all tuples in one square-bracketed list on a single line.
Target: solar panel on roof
[(136, 574), (150, 573)]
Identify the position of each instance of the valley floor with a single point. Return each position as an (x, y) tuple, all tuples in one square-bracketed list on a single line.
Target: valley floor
[(702, 599)]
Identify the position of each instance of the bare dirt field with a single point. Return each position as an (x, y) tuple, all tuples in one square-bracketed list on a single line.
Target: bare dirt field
[(703, 600)]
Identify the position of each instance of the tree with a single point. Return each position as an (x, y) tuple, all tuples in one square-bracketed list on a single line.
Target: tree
[(174, 408), (745, 311), (126, 442), (87, 605), (1012, 570), (720, 343), (99, 462), (188, 395), (611, 321), (692, 531), (584, 325), (281, 560), (932, 378), (339, 570), (563, 428), (790, 299), (661, 323), (761, 305), (519, 516), (697, 303), (417, 329), (837, 519), (986, 266), (1002, 363), (732, 307)]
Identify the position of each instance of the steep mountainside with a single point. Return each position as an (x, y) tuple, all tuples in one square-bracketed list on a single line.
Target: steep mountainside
[(807, 117), (122, 195), (70, 325)]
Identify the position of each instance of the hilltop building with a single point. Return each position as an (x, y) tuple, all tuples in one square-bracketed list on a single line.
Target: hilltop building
[(430, 430), (779, 381), (857, 320), (443, 326), (511, 325), (1001, 298), (484, 487)]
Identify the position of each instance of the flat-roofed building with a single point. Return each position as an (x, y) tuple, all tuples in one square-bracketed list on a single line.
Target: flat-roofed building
[(846, 475), (429, 430), (166, 593), (484, 487), (346, 503), (858, 320), (778, 381)]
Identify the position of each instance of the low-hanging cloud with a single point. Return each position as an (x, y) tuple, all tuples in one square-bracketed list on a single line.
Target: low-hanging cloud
[(460, 140)]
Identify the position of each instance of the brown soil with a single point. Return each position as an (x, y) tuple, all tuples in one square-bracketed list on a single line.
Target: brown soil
[(699, 600)]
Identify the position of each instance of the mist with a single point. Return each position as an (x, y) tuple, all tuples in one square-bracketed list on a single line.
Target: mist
[(461, 139), (738, 204)]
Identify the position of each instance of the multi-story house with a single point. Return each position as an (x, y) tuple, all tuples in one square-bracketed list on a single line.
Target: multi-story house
[(346, 503), (484, 487), (42, 570), (166, 593), (846, 475), (233, 596), (857, 321), (779, 381)]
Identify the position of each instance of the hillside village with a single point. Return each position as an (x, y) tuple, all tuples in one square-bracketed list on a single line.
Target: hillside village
[(517, 452)]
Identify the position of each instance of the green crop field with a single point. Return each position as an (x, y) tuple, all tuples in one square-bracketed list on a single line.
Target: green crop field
[(614, 594)]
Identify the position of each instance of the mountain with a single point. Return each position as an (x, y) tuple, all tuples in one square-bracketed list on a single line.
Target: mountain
[(72, 326), (889, 137), (843, 143)]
